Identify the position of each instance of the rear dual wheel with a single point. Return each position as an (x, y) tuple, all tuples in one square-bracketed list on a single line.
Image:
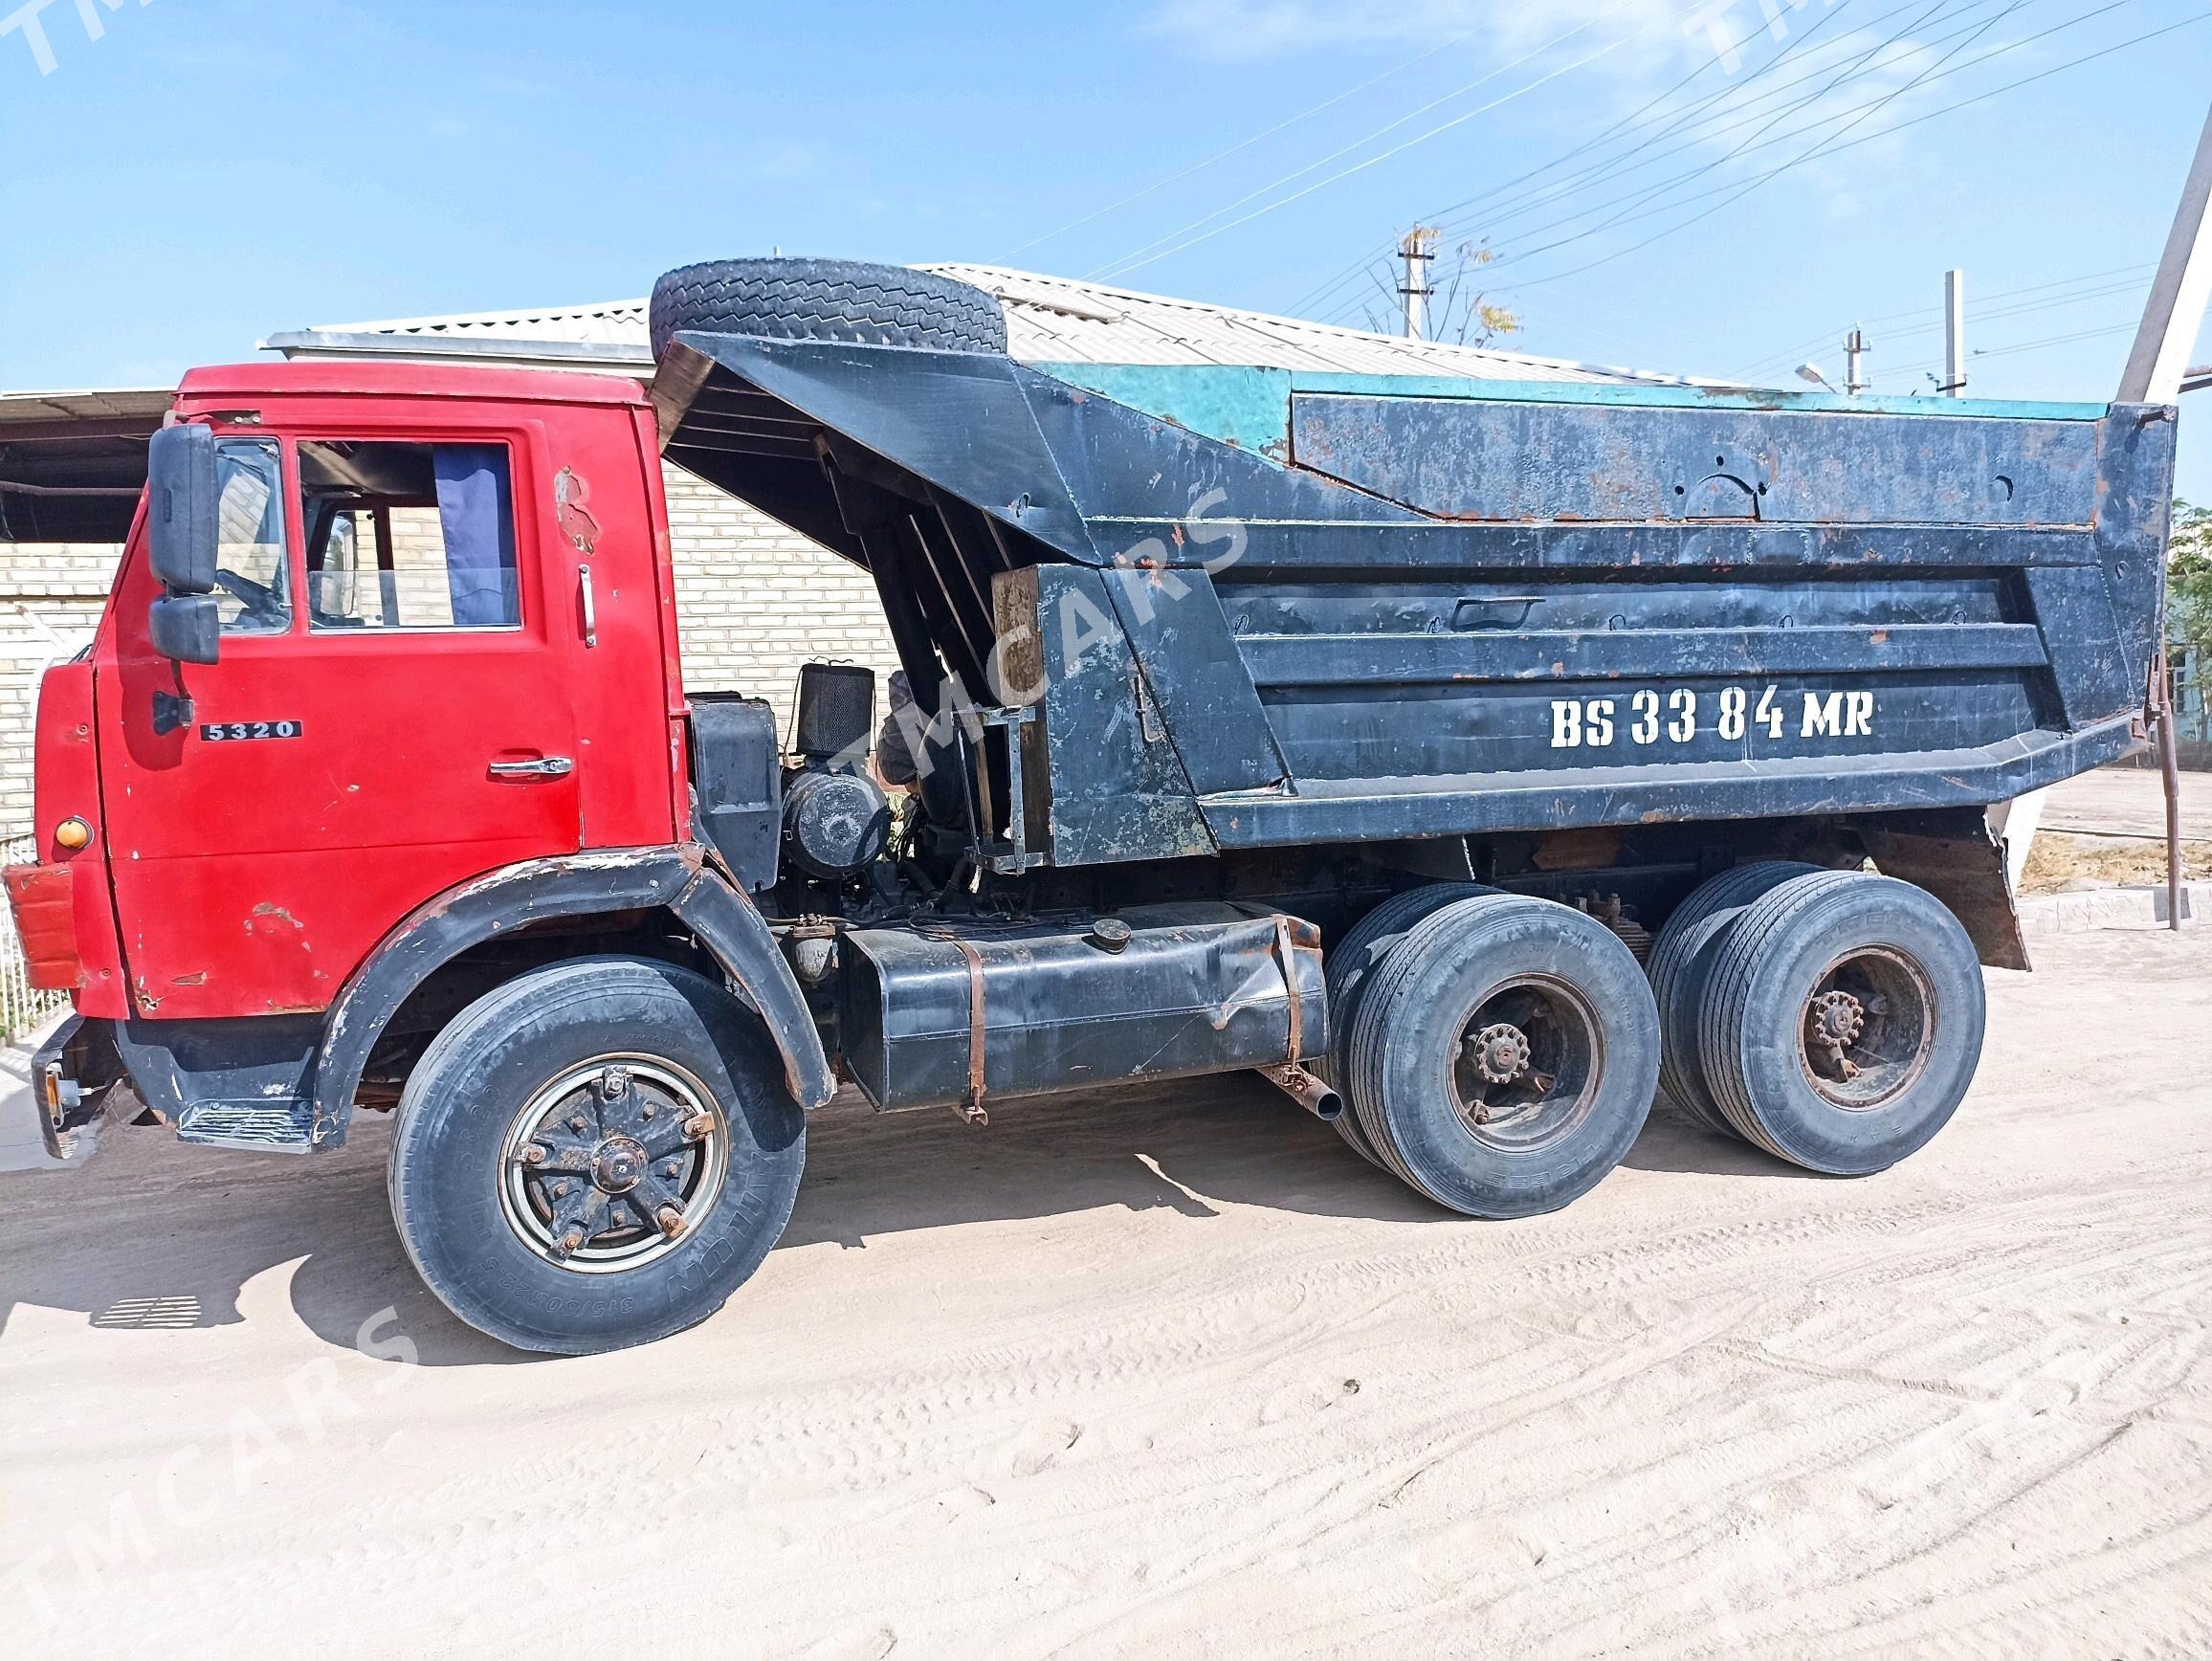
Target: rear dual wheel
[(1834, 1018), (1682, 960), (1502, 1054), (1349, 968)]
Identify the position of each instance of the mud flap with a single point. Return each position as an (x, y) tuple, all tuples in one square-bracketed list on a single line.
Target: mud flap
[(1956, 857)]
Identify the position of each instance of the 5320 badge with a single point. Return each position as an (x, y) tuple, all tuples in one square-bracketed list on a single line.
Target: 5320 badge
[(233, 732)]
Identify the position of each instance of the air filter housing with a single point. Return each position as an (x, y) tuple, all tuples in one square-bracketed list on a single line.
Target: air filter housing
[(836, 711)]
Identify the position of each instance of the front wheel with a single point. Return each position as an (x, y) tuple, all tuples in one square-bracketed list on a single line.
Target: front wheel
[(594, 1155)]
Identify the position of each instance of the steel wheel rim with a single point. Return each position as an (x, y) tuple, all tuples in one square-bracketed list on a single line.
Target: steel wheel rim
[(1864, 1067), (615, 1168), (1526, 1090)]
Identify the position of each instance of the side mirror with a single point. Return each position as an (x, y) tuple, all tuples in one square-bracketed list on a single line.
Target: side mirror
[(181, 511), (185, 626)]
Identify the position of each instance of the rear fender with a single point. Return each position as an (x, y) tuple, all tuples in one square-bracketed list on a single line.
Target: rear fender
[(577, 885)]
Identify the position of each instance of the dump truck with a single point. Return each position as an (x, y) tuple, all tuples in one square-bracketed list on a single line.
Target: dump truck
[(1477, 762)]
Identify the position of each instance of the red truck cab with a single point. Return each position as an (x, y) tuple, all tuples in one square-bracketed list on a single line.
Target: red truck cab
[(441, 601)]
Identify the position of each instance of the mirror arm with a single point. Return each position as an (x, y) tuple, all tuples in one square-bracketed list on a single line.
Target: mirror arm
[(171, 712)]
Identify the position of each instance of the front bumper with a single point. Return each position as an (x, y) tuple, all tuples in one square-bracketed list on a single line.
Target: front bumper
[(69, 1079)]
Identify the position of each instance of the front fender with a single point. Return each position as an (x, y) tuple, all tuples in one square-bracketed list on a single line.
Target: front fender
[(542, 890)]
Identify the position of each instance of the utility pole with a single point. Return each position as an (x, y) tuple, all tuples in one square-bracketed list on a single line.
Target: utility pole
[(1417, 249), (1854, 370), (1954, 334)]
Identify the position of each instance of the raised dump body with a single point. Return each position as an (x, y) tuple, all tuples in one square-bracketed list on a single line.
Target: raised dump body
[(1349, 609)]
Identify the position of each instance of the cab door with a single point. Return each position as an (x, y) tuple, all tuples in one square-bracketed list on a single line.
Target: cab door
[(388, 716)]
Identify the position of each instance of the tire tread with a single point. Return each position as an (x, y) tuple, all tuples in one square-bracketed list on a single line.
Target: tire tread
[(832, 299)]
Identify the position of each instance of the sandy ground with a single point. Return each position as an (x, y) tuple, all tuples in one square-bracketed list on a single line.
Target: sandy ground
[(2129, 801), (2108, 828), (1171, 1372)]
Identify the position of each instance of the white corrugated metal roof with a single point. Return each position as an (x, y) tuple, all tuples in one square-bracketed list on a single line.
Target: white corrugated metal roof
[(122, 403), (1049, 320), (616, 322), (1059, 320)]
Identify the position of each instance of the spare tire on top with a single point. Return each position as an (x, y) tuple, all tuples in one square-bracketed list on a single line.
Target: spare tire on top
[(826, 299)]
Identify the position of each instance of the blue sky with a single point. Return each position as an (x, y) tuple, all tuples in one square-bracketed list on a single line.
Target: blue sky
[(206, 172)]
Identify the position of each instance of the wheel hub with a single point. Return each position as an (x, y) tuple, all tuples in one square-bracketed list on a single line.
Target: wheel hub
[(613, 1163), (1526, 1063), (1833, 1023), (1500, 1053), (1868, 1028), (618, 1165)]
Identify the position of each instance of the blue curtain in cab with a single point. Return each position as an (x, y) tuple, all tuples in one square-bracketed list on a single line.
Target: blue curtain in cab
[(472, 482)]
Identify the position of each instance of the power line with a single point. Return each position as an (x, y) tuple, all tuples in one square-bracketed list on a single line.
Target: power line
[(1625, 121), (1245, 144), (1784, 359), (1649, 193), (1857, 113), (2019, 347), (1124, 267), (1829, 149), (1745, 109), (2076, 291), (1629, 123), (1347, 150)]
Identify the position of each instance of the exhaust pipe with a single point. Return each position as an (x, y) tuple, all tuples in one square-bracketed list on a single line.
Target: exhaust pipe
[(1304, 1089)]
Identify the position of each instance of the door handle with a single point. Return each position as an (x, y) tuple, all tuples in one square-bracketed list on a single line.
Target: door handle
[(547, 767)]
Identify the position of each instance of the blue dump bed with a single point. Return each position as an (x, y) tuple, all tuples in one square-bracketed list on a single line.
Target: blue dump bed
[(1253, 607)]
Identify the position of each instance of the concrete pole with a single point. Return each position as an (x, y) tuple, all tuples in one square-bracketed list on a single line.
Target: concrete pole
[(1414, 286), (1954, 334), (1854, 371), (2176, 309)]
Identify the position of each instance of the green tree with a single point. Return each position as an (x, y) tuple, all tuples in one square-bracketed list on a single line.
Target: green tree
[(2189, 578)]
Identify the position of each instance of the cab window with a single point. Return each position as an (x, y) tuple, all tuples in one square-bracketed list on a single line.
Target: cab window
[(253, 587), (408, 536)]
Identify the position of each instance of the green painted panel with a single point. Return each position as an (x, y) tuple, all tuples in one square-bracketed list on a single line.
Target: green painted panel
[(1234, 402), (1250, 407), (1621, 392)]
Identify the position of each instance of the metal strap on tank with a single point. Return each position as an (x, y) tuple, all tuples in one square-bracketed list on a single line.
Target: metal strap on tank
[(971, 1105), (1287, 949)]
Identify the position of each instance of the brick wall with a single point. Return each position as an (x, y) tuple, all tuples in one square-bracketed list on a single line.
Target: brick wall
[(756, 600), (50, 595)]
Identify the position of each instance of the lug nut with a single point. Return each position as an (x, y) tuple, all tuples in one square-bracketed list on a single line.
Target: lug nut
[(576, 1121), (669, 1217), (560, 1190), (571, 1240), (670, 1170), (533, 1155), (699, 1127), (649, 1110)]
